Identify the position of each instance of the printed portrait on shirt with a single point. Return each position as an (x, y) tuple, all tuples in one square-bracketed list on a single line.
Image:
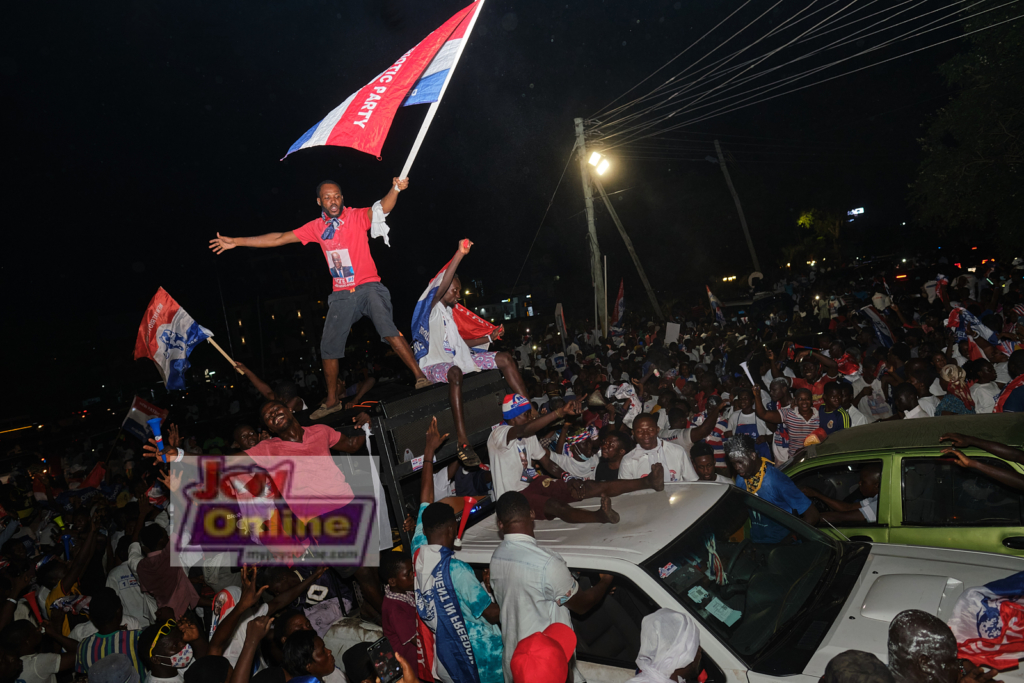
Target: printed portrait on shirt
[(340, 264)]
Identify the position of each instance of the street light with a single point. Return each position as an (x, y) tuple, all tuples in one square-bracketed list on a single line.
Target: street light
[(599, 162)]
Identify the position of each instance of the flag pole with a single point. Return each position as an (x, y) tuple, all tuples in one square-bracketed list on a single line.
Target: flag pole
[(223, 353), (434, 105)]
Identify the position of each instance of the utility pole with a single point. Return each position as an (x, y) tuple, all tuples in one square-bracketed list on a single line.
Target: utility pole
[(629, 248), (739, 207), (595, 250)]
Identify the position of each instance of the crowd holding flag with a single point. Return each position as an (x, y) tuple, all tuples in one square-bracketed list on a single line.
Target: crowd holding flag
[(716, 306), (419, 76), (883, 332), (619, 309), (167, 336), (136, 422)]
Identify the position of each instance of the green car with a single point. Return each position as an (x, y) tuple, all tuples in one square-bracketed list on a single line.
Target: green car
[(925, 498)]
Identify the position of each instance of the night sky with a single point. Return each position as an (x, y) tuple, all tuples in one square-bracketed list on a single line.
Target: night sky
[(136, 131)]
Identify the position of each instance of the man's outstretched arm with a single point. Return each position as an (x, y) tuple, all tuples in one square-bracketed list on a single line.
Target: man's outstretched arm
[(271, 239)]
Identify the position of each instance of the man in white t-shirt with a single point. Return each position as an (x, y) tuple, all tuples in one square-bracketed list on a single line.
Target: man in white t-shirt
[(702, 456), (515, 453), (533, 585), (651, 451), (39, 667), (852, 514), (138, 606)]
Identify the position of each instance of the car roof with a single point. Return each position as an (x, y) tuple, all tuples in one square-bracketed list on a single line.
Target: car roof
[(649, 520), (1007, 428)]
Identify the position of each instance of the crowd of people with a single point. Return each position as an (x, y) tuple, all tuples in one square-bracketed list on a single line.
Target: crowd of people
[(92, 592)]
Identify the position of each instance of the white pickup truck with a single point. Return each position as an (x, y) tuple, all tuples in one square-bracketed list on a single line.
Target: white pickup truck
[(791, 597)]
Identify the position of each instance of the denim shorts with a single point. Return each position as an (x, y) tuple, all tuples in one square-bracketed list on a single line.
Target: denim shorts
[(345, 308)]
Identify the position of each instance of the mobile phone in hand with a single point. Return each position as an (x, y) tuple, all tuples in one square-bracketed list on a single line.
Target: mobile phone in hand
[(384, 661)]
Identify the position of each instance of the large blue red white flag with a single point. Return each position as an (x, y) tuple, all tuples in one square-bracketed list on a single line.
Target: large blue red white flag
[(619, 309), (167, 336), (471, 326), (882, 330), (988, 622), (716, 306), (362, 121)]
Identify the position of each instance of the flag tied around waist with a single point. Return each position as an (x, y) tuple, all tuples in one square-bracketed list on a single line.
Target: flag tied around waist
[(167, 336), (988, 622), (362, 121)]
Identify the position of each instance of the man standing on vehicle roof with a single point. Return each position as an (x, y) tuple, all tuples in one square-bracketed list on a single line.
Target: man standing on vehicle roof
[(760, 477), (341, 232)]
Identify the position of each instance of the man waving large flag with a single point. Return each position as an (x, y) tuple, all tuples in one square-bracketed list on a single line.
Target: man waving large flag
[(420, 76)]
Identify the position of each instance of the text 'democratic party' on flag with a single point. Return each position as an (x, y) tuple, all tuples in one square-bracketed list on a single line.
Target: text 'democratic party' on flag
[(167, 335), (362, 121), (716, 306), (136, 422)]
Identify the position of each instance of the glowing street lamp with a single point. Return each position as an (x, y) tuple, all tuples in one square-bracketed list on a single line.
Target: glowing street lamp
[(601, 164)]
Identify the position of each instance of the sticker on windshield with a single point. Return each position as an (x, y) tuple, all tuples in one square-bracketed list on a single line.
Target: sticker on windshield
[(667, 570), (721, 611), (698, 594)]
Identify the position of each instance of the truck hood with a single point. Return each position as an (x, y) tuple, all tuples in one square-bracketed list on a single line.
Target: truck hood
[(898, 577)]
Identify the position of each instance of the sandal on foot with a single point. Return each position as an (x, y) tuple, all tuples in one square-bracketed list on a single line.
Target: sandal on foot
[(422, 383), (324, 411), (468, 456)]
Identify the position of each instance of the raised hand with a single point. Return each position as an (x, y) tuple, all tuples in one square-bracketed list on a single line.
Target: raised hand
[(434, 438), (222, 244), (464, 246), (571, 407), (258, 628), (250, 595), (400, 183), (172, 480)]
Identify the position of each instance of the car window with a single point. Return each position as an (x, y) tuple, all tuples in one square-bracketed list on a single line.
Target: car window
[(743, 585), (938, 492), (609, 634), (842, 483)]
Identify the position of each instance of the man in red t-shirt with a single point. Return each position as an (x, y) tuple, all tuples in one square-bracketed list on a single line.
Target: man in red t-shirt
[(342, 233)]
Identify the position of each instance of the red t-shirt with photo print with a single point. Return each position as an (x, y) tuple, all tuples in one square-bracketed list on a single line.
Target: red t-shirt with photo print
[(348, 250)]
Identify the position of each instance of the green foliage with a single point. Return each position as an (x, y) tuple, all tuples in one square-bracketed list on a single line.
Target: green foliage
[(972, 175)]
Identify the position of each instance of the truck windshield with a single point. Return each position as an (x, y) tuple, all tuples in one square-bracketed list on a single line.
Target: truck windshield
[(741, 587)]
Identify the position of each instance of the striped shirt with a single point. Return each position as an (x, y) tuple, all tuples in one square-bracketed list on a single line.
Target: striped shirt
[(799, 428), (95, 647)]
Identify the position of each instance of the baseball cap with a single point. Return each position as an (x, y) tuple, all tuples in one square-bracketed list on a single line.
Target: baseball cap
[(544, 656)]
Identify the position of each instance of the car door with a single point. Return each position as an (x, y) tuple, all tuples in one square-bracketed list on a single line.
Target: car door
[(608, 636), (839, 479), (948, 506)]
